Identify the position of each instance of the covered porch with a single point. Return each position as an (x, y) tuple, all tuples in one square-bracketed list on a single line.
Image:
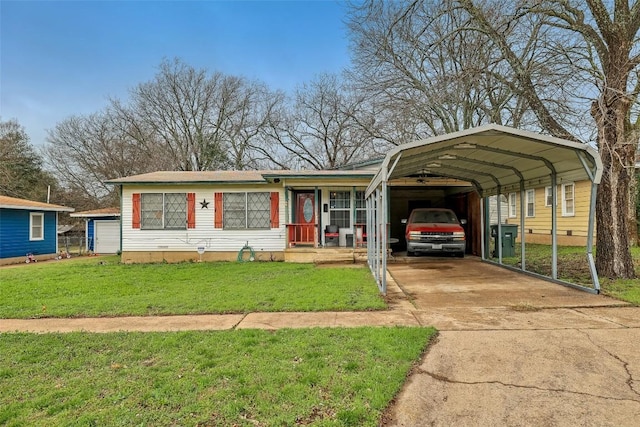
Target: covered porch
[(324, 210)]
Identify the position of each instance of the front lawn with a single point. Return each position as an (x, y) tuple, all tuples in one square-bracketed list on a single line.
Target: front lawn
[(104, 287), (320, 377)]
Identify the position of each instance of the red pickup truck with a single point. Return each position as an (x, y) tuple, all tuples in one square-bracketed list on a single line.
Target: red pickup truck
[(432, 230)]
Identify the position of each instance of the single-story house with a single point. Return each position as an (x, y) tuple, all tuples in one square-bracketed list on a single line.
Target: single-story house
[(176, 216), (172, 216), (28, 228), (102, 230)]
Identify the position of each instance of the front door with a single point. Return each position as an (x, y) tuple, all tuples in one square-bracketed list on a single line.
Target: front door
[(306, 216)]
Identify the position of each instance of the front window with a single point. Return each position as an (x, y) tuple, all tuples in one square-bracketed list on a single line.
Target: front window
[(175, 211), (548, 197), (163, 211), (361, 208), (568, 199), (246, 211), (531, 203), (340, 208), (512, 205), (36, 226)]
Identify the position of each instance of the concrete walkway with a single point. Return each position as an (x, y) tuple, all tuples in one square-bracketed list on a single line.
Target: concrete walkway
[(517, 352), (511, 352)]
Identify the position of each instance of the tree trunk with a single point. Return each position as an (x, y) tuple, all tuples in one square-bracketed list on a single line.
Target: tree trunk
[(633, 214), (613, 258)]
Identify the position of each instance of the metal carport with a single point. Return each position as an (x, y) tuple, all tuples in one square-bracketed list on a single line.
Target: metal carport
[(495, 159)]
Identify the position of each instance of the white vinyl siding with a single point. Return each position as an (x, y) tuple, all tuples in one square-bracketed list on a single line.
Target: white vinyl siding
[(205, 234), (531, 203), (36, 226)]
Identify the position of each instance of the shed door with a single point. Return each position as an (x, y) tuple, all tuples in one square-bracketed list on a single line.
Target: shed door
[(107, 234)]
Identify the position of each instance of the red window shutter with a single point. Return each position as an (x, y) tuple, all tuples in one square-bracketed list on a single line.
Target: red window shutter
[(135, 217), (217, 197), (191, 210), (275, 210)]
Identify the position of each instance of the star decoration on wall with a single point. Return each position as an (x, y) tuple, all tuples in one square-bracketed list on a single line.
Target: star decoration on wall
[(204, 204)]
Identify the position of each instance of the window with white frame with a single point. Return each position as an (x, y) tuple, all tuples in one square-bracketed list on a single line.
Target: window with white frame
[(568, 199), (246, 211), (340, 208), (361, 208), (548, 197), (531, 202), (163, 211), (36, 226), (512, 205)]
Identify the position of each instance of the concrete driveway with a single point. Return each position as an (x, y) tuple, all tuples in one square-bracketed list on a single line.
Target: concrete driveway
[(516, 351)]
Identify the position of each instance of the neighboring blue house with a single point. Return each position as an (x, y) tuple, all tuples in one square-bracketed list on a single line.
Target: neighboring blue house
[(102, 230), (28, 227)]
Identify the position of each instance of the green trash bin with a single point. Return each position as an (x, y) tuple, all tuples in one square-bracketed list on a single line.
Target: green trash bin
[(509, 234)]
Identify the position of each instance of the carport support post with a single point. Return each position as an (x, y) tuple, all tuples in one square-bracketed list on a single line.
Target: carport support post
[(487, 227), (522, 243), (376, 240), (499, 207), (368, 205), (483, 232), (385, 238), (554, 227), (592, 212), (317, 203)]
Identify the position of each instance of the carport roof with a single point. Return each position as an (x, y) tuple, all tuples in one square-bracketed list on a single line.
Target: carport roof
[(494, 159)]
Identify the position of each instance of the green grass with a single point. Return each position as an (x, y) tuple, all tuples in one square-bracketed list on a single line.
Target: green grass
[(104, 287), (572, 267), (320, 377)]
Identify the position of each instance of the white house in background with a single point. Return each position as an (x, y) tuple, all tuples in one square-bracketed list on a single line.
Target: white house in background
[(171, 216)]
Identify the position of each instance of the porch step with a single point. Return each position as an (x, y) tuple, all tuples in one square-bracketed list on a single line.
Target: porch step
[(325, 255)]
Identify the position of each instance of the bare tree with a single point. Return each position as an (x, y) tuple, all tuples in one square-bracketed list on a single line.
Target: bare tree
[(565, 67), (85, 151), (426, 78), (320, 129), (609, 59), (201, 120)]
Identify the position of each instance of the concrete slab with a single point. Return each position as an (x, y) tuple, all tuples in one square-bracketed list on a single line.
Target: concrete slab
[(116, 324), (505, 318), (625, 316), (469, 282), (522, 378)]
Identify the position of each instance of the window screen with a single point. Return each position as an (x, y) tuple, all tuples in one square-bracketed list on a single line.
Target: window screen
[(175, 210), (151, 211)]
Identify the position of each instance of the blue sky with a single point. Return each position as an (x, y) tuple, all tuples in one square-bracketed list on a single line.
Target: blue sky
[(63, 58)]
